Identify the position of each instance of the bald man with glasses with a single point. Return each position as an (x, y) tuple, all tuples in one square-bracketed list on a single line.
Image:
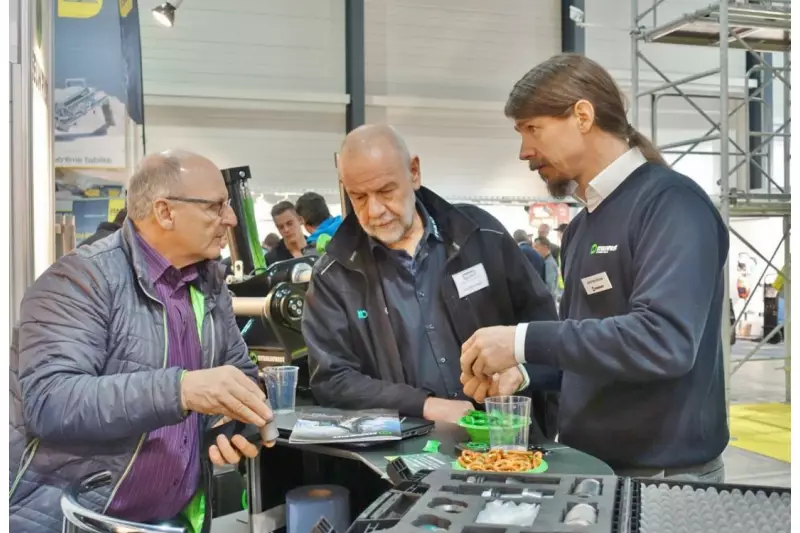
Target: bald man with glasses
[(126, 353)]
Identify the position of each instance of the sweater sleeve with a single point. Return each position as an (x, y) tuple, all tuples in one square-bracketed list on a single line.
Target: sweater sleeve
[(680, 248)]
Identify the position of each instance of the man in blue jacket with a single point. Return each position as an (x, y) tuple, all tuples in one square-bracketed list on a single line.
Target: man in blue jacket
[(640, 341), (524, 241), (317, 219), (123, 350)]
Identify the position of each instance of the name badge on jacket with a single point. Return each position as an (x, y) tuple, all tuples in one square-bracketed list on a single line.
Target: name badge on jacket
[(596, 283), (471, 280)]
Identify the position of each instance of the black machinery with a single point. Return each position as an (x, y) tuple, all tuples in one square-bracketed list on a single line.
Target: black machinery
[(268, 300)]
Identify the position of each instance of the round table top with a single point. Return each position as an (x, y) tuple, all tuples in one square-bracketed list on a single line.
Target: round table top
[(560, 459)]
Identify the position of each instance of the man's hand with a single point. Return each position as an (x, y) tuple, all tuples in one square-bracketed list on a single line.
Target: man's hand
[(503, 384), (225, 390), (230, 451), (441, 410), (489, 351)]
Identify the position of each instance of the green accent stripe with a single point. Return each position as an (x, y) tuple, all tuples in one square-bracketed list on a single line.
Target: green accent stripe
[(199, 308)]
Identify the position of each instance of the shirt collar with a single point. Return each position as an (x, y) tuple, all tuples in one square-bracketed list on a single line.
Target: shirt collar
[(158, 267), (609, 179)]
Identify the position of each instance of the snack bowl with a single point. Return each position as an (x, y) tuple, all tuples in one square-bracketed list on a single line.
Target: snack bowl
[(543, 466)]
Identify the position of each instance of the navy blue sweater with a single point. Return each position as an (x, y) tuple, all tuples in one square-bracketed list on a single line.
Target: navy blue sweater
[(643, 378)]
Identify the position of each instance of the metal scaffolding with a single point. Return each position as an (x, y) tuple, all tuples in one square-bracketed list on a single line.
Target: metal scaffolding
[(755, 27)]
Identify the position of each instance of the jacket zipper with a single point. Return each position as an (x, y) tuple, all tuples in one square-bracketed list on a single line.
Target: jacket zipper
[(144, 435), (205, 472), (213, 341)]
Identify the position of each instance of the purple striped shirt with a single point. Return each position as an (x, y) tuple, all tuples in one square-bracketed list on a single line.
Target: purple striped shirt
[(166, 473)]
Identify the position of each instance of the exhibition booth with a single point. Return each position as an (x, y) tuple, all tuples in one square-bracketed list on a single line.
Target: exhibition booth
[(78, 130)]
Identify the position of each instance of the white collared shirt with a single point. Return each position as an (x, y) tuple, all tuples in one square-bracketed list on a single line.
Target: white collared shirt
[(609, 178), (598, 189)]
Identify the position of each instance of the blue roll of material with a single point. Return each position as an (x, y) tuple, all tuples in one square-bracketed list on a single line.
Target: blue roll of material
[(306, 505)]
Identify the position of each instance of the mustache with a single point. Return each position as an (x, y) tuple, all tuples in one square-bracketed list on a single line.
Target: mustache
[(535, 164), (381, 224)]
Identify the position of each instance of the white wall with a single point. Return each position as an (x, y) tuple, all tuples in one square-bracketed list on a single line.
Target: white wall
[(245, 49), (262, 83), (250, 82), (456, 49), (288, 151), (441, 71)]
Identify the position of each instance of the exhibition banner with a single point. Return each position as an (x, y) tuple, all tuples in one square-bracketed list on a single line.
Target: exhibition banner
[(97, 82), (551, 213), (131, 44), (90, 213)]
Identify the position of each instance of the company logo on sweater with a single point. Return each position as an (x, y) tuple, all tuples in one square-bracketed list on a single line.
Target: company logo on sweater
[(596, 249)]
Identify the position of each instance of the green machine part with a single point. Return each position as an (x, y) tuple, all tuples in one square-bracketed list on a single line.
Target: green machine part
[(259, 261), (245, 235)]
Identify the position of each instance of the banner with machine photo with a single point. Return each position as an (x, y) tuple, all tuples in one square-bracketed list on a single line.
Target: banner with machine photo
[(89, 213), (97, 83)]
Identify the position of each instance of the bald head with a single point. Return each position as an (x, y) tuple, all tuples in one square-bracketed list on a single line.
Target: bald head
[(374, 140), (179, 205), (380, 177), (544, 230), (164, 174)]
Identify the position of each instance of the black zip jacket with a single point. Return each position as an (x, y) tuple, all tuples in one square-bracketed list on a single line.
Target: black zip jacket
[(353, 355)]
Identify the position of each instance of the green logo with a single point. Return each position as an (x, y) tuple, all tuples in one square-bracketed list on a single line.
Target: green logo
[(362, 314), (593, 249)]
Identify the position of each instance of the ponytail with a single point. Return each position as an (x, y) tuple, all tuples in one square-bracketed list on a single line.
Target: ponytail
[(649, 151)]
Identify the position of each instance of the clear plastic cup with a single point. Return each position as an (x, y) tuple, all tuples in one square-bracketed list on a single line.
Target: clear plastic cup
[(281, 384), (509, 419)]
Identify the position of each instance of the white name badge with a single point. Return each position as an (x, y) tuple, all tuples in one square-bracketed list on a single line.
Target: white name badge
[(596, 283), (471, 280)]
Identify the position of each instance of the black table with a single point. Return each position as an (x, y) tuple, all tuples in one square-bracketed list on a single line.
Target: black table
[(561, 459)]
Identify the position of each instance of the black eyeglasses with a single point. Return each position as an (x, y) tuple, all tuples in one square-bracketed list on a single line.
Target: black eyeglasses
[(215, 206)]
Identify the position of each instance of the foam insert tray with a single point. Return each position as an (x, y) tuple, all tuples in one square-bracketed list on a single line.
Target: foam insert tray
[(450, 501), (683, 507)]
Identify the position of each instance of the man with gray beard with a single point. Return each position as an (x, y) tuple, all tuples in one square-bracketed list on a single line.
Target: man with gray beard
[(405, 281)]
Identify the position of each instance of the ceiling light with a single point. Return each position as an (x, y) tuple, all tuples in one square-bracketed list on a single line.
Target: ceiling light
[(165, 13)]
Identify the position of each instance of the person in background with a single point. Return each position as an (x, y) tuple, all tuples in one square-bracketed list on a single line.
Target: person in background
[(543, 247), (270, 242), (406, 279), (104, 229), (317, 219), (524, 241), (290, 226), (544, 233), (640, 337), (124, 351)]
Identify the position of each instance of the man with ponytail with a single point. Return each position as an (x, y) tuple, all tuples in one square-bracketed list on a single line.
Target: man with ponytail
[(639, 341)]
